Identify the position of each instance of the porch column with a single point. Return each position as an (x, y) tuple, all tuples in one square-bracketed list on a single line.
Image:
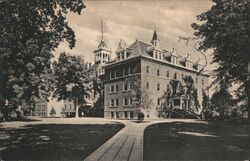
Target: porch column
[(181, 103)]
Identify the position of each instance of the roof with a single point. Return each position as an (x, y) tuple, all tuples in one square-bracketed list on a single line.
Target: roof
[(155, 37), (139, 48), (102, 44)]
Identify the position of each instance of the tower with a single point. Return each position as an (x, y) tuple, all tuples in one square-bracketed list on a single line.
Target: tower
[(102, 53)]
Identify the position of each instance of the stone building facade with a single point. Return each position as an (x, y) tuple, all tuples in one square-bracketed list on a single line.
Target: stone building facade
[(155, 68)]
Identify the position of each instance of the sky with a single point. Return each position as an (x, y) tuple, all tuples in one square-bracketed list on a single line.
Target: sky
[(129, 20)]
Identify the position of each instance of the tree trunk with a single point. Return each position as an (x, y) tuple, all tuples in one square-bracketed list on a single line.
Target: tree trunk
[(248, 89), (77, 108)]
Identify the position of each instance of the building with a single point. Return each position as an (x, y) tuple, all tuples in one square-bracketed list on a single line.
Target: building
[(41, 109), (154, 67)]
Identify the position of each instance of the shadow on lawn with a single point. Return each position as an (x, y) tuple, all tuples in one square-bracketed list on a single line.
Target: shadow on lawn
[(197, 141), (54, 141)]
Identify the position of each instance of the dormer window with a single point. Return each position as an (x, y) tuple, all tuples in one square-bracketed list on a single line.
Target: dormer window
[(174, 59)]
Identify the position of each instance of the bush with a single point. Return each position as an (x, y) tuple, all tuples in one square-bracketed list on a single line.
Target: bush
[(140, 116)]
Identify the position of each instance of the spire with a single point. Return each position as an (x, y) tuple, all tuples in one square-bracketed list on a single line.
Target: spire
[(155, 40), (155, 37), (102, 43), (102, 28)]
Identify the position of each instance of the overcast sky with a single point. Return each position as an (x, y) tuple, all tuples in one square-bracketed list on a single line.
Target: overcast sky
[(129, 20)]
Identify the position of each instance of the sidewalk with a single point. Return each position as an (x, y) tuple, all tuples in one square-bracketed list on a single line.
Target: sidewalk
[(126, 145)]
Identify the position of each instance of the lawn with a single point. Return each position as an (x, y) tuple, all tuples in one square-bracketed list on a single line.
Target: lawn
[(197, 141), (54, 141)]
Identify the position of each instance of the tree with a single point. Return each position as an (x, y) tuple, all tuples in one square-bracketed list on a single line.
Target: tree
[(167, 104), (30, 31), (222, 103), (141, 100), (52, 112), (73, 80), (192, 93), (205, 104), (225, 30)]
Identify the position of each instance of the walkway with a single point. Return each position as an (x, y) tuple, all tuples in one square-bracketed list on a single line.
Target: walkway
[(126, 145)]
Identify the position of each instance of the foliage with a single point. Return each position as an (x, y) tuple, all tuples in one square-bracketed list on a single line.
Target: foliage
[(140, 116), (141, 99), (191, 92), (52, 112), (30, 31), (205, 103), (167, 104), (225, 30), (222, 103), (73, 80)]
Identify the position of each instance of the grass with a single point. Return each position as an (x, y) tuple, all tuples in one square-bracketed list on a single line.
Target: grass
[(54, 141), (197, 141)]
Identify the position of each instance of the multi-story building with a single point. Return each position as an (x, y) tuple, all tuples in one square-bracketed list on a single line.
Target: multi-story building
[(154, 67)]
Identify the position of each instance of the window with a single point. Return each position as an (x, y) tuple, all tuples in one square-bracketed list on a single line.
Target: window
[(156, 55), (159, 101), (147, 85), (202, 81), (147, 69), (116, 88), (158, 72), (160, 56), (130, 101), (125, 87), (112, 103), (168, 74), (111, 89), (125, 101), (112, 74), (126, 71), (175, 75), (158, 86), (129, 86), (117, 102), (196, 80), (126, 114), (129, 71)]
